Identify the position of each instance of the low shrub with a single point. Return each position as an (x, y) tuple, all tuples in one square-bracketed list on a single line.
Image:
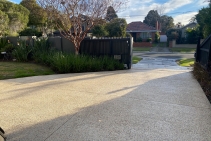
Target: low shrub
[(62, 62), (149, 39), (66, 63), (139, 39), (3, 42), (30, 32), (22, 51), (41, 52), (204, 78)]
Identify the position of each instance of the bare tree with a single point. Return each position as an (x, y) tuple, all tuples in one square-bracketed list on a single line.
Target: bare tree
[(160, 9), (80, 15)]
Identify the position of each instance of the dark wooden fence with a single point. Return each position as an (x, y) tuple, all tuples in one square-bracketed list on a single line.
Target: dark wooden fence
[(119, 48), (203, 53)]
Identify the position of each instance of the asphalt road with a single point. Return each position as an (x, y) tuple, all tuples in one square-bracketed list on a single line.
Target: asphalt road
[(163, 55)]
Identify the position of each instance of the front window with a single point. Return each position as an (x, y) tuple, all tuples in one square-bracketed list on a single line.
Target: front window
[(145, 35)]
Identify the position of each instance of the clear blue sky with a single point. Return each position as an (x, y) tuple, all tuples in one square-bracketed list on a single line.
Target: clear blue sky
[(180, 10)]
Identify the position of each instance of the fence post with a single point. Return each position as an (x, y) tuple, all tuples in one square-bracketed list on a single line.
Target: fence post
[(197, 54)]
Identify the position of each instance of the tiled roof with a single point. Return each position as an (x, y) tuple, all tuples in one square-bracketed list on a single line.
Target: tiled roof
[(139, 26)]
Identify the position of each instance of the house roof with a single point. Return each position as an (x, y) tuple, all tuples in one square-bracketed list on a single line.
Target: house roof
[(189, 25), (140, 27)]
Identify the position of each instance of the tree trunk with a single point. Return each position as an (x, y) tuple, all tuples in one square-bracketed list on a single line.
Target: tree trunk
[(77, 46)]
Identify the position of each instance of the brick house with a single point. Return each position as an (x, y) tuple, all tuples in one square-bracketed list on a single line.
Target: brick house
[(141, 30)]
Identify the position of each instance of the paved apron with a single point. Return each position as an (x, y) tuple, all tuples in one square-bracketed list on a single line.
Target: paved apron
[(154, 101)]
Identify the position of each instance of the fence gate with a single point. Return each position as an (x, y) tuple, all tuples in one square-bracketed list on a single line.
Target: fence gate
[(203, 52), (119, 48)]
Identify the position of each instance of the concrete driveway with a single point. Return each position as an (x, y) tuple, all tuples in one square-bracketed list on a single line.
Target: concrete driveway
[(129, 105)]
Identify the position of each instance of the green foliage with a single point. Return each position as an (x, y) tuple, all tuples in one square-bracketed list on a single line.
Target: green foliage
[(22, 51), (66, 63), (8, 48), (17, 15), (37, 16), (152, 18), (116, 28), (30, 32), (3, 23), (139, 39), (149, 39), (192, 35), (63, 62), (111, 14), (42, 51), (204, 19), (174, 34), (167, 22), (3, 42), (128, 35), (157, 37), (99, 31)]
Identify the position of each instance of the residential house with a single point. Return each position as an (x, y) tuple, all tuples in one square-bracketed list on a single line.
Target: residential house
[(184, 28), (141, 30)]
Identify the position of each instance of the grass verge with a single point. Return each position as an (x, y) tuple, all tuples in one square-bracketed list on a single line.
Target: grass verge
[(10, 70), (183, 50), (141, 48), (186, 62), (136, 59)]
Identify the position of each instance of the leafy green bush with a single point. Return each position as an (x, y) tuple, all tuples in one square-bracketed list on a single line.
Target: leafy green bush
[(65, 63), (128, 35), (149, 39), (8, 48), (99, 31), (22, 51), (42, 52), (3, 42), (30, 32), (139, 39), (157, 37)]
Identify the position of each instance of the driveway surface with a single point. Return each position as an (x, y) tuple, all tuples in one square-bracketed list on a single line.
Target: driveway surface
[(141, 104), (166, 55)]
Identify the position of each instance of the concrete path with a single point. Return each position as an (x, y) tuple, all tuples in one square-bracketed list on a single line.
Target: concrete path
[(159, 49), (159, 63), (130, 105)]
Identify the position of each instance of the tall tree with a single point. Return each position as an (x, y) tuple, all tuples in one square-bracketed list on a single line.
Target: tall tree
[(111, 14), (17, 14), (204, 19), (37, 16), (99, 31), (81, 14), (117, 28), (152, 18), (4, 21), (167, 22)]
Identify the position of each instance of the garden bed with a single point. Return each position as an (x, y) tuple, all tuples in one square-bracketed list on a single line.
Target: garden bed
[(204, 79)]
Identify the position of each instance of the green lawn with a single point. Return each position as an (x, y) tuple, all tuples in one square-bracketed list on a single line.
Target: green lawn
[(136, 59), (183, 50), (16, 69), (186, 62), (141, 48)]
